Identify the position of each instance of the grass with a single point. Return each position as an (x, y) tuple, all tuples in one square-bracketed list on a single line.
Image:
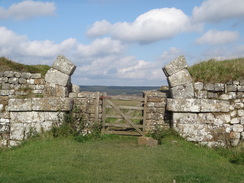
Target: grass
[(115, 159), (8, 65), (213, 71)]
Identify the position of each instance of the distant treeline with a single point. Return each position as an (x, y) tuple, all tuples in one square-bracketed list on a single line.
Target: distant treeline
[(119, 90)]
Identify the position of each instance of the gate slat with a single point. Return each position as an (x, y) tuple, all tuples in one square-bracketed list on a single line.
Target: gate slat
[(125, 117)]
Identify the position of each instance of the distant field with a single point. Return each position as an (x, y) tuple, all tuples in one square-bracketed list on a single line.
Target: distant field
[(119, 90)]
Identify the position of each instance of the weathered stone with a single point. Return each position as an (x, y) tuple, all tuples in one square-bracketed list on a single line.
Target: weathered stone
[(208, 105), (13, 80), (175, 66), (6, 86), (20, 104), (180, 78), (36, 76), (64, 65), (9, 74), (22, 81), (1, 107), (183, 105), (185, 118), (198, 85), (232, 95), (147, 141), (240, 112), (75, 88), (39, 81), (17, 74), (17, 131), (235, 121), (25, 75), (212, 95), (240, 88), (224, 97), (52, 104), (30, 81), (54, 76), (53, 90), (209, 86), (37, 91), (183, 91), (231, 88), (201, 94), (219, 87), (235, 138), (6, 92), (239, 105), (237, 128), (206, 118), (27, 117), (224, 117)]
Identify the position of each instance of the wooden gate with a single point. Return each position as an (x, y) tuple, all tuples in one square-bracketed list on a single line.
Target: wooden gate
[(123, 115)]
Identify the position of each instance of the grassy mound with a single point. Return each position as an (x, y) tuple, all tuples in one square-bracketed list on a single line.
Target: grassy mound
[(213, 71), (8, 65)]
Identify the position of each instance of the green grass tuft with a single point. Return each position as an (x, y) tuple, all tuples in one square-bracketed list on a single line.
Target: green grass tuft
[(213, 71), (8, 65)]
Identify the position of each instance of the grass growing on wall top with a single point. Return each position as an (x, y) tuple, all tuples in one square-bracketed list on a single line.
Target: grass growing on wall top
[(213, 71), (8, 65), (115, 159)]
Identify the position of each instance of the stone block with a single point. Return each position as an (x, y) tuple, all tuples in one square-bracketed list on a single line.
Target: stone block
[(17, 131), (27, 117), (148, 141), (22, 80), (75, 88), (240, 112), (13, 80), (17, 74), (6, 86), (6, 92), (52, 104), (64, 65), (235, 121), (19, 105), (212, 95), (208, 105), (219, 87), (185, 118), (54, 76), (183, 105), (201, 94), (198, 86), (36, 76), (209, 87), (180, 78), (206, 118), (237, 128), (183, 91), (224, 97), (175, 66), (9, 74), (30, 81), (26, 75), (53, 90), (231, 88)]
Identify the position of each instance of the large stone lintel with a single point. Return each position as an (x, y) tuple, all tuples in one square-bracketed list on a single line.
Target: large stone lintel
[(54, 76), (175, 66), (64, 65), (197, 105), (180, 78), (20, 104), (52, 104)]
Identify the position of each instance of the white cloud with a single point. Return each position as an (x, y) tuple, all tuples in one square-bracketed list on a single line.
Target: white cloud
[(215, 37), (28, 9), (101, 47), (218, 10), (154, 25)]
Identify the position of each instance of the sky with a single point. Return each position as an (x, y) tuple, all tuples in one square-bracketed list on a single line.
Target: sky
[(121, 42)]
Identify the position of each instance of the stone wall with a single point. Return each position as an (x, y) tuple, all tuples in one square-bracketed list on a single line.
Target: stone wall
[(31, 104), (155, 113), (212, 114)]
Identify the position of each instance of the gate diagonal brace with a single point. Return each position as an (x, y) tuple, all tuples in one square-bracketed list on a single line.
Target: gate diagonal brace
[(125, 117)]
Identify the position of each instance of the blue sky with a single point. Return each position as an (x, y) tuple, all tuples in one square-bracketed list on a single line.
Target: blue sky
[(121, 42)]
